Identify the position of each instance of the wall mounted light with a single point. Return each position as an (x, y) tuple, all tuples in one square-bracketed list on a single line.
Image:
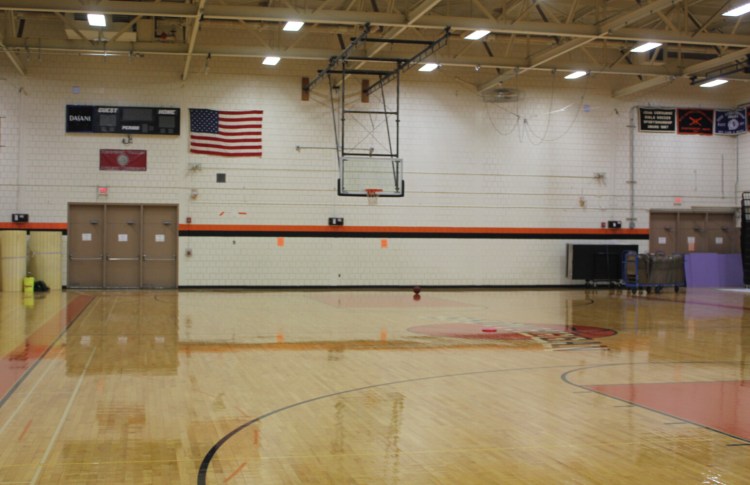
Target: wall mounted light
[(271, 60)]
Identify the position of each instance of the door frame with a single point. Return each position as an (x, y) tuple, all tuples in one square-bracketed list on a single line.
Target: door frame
[(698, 223), (104, 222)]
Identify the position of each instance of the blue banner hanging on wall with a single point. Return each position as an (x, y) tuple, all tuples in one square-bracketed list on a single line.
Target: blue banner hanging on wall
[(730, 122)]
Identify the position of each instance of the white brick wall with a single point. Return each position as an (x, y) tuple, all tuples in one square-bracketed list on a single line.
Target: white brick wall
[(467, 163)]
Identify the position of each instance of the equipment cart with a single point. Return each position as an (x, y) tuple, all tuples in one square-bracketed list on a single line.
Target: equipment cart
[(647, 272)]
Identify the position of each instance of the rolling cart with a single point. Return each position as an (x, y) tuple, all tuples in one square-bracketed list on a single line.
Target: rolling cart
[(652, 272)]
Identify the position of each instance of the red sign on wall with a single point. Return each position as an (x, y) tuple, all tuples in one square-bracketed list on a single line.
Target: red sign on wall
[(695, 121), (130, 160)]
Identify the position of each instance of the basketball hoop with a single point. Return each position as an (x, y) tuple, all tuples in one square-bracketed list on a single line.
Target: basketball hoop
[(372, 196)]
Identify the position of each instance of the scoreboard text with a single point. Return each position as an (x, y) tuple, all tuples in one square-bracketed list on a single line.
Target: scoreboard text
[(120, 119)]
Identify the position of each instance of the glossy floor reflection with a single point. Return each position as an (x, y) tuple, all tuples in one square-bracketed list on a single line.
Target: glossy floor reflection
[(375, 387)]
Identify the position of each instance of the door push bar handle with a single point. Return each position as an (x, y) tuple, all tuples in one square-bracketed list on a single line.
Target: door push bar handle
[(121, 259), (85, 259), (173, 258)]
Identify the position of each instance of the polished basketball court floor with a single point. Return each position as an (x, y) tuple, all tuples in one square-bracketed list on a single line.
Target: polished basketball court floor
[(375, 387)]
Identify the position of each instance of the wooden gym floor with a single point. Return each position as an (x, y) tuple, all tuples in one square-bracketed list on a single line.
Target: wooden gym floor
[(375, 387)]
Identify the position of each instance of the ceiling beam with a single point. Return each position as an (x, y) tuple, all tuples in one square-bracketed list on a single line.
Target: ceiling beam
[(107, 7), (193, 37), (484, 10), (716, 14), (414, 15), (13, 59), (667, 37), (306, 54), (642, 86), (417, 18), (606, 28), (701, 67), (69, 24), (421, 10), (125, 28), (717, 62)]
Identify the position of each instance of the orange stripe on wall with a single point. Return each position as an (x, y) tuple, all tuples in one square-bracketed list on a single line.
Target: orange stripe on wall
[(34, 226), (250, 228)]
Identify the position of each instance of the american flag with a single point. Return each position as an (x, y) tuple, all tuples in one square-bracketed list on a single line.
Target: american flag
[(226, 133)]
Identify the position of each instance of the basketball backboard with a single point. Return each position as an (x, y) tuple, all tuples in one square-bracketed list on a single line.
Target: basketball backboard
[(358, 174)]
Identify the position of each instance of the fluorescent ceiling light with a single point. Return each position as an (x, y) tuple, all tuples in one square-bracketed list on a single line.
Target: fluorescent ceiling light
[(429, 67), (271, 60), (714, 83), (477, 34), (96, 20), (102, 54), (575, 75), (293, 26), (736, 12), (648, 46)]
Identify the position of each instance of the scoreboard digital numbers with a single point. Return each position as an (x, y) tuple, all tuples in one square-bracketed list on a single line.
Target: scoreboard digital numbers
[(122, 119)]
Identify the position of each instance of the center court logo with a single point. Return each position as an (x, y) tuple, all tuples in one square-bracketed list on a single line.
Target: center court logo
[(551, 337)]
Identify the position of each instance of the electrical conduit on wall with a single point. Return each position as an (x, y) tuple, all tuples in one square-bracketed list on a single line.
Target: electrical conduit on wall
[(631, 161)]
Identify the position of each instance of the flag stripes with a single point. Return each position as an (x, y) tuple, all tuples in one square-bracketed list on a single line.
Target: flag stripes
[(226, 133)]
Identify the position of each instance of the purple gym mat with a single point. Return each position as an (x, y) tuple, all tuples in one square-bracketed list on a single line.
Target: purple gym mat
[(713, 270)]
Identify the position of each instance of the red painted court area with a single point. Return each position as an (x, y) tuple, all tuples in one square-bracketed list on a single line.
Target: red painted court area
[(723, 406), (509, 331)]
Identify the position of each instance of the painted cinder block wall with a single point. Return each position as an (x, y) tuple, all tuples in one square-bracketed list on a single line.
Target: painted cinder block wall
[(556, 158)]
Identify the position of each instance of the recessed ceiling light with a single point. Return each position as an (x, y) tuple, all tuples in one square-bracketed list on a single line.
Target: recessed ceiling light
[(736, 12), (477, 34), (271, 60), (575, 75), (714, 83), (429, 67), (293, 26), (96, 20), (648, 46)]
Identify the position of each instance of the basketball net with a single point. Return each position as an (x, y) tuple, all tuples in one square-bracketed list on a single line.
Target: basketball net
[(372, 196)]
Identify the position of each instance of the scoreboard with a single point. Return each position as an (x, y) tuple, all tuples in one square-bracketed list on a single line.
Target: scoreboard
[(122, 119)]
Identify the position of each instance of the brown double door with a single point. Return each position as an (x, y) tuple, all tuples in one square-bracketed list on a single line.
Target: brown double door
[(693, 231), (122, 246)]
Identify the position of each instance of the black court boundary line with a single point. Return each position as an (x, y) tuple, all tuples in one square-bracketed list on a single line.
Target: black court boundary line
[(565, 379), (28, 371), (203, 469)]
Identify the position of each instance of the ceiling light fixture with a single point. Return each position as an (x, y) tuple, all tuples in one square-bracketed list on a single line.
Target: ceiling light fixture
[(576, 75), (101, 54), (429, 67), (293, 26), (477, 34), (648, 46), (714, 83), (96, 20), (271, 60), (736, 12)]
